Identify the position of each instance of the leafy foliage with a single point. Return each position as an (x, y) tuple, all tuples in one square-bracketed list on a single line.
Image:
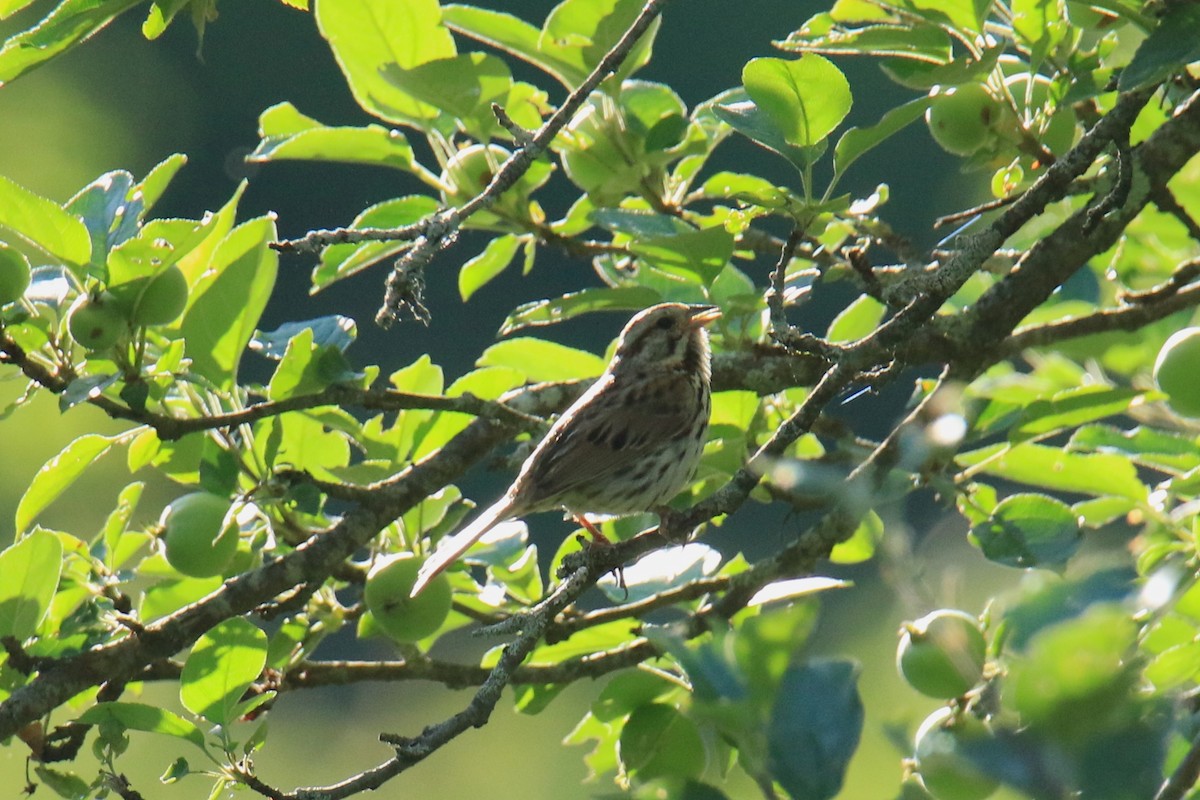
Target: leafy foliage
[(1043, 429)]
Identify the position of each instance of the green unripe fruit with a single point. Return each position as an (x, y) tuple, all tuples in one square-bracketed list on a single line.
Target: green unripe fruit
[(14, 274), (163, 298), (96, 323), (945, 768), (404, 618), (199, 541), (962, 118), (657, 741), (942, 654), (1177, 371)]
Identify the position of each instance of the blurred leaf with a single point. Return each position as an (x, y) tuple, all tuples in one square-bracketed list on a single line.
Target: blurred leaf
[(31, 567), (1071, 408), (1052, 600), (478, 271), (368, 36), (815, 727), (1147, 446), (629, 690), (861, 544), (222, 665), (569, 306), (824, 34), (805, 99), (856, 320), (539, 360), (57, 475), (747, 188), (1174, 43), (660, 570), (659, 742), (43, 222), (1029, 530), (69, 23), (343, 260), (1055, 469), (64, 784), (221, 319), (1075, 665), (793, 589), (696, 256), (140, 717)]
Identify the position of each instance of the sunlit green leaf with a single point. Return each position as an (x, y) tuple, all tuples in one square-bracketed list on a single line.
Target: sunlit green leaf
[(856, 320), (569, 306), (57, 475), (1171, 45), (342, 260), (855, 142), (540, 360), (227, 305), (141, 717), (222, 664), (69, 23), (1055, 469), (31, 569), (1029, 530), (44, 223), (805, 99), (476, 273)]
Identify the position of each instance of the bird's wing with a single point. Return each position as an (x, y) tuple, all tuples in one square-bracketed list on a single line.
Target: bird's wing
[(602, 435)]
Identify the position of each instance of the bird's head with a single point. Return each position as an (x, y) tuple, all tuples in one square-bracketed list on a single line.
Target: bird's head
[(667, 336)]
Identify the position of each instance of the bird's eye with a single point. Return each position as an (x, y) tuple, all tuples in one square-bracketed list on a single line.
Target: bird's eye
[(663, 323)]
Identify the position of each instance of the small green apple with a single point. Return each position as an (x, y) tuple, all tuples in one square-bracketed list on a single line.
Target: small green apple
[(404, 618), (200, 542)]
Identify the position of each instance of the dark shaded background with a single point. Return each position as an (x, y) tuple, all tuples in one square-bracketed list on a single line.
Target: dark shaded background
[(120, 102)]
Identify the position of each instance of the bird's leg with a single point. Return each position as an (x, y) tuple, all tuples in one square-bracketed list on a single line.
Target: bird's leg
[(599, 539), (591, 528)]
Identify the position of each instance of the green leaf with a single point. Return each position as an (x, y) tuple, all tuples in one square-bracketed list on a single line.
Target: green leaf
[(1029, 530), (514, 36), (752, 122), (69, 23), (815, 726), (343, 260), (368, 36), (855, 142), (805, 99), (1058, 470), (569, 306), (373, 145), (44, 223), (307, 368), (221, 666), (57, 474), (1169, 47), (107, 211), (476, 273), (856, 320), (141, 717), (463, 86), (539, 360), (861, 544), (582, 32), (696, 256), (31, 568), (1147, 446), (227, 305), (1071, 408)]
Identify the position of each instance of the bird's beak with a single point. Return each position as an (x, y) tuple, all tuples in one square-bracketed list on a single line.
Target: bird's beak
[(702, 316)]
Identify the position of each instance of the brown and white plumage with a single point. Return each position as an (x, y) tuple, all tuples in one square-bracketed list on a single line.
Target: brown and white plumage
[(628, 445)]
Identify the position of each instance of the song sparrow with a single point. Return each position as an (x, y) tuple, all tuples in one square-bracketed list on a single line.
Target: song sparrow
[(628, 445)]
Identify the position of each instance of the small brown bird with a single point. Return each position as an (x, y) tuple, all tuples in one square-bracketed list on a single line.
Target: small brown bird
[(628, 445)]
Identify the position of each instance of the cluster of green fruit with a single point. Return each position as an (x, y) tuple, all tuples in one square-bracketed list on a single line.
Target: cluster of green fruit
[(97, 320), (977, 117), (942, 655)]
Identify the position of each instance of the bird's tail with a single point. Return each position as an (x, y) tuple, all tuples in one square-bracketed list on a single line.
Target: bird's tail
[(451, 547)]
